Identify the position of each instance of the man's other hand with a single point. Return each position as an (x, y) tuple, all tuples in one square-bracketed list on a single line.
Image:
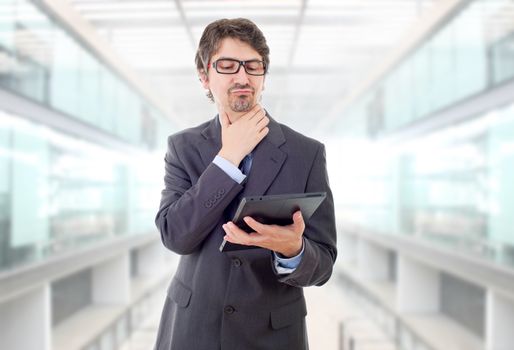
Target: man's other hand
[(286, 240)]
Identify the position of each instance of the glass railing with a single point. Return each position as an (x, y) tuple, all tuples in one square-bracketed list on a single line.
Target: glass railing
[(42, 61), (453, 188), (59, 193), (469, 54)]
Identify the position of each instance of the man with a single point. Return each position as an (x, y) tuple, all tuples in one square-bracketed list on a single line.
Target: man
[(253, 298)]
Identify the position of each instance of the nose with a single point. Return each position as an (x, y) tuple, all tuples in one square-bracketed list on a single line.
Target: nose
[(241, 77)]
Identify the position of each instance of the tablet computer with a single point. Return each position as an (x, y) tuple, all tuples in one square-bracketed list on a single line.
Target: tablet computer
[(273, 209)]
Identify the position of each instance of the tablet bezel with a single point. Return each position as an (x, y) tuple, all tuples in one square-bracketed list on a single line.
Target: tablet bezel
[(284, 204)]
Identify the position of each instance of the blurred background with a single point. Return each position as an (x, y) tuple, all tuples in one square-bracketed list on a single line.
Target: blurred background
[(414, 100)]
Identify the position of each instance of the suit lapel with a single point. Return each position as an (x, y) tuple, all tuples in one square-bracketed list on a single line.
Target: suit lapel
[(212, 144), (268, 158)]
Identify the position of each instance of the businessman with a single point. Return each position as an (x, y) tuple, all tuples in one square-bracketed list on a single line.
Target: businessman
[(251, 298)]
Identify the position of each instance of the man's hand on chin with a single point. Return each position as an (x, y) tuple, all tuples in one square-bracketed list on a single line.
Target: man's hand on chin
[(240, 137)]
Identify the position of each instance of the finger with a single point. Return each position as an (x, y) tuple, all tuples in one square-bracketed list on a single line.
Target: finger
[(229, 235), (262, 133), (255, 225), (298, 223), (262, 123), (259, 113), (236, 234), (228, 238), (257, 107)]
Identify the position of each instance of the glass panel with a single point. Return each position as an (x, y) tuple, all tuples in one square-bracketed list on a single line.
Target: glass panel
[(40, 60), (453, 187), (443, 190), (470, 69), (502, 55), (7, 16), (7, 60), (422, 82), (29, 188), (89, 88), (470, 53), (499, 36), (54, 198), (441, 48), (33, 47), (399, 88), (108, 100), (64, 81), (500, 153), (82, 198)]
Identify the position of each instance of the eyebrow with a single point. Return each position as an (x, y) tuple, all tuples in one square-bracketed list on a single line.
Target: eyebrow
[(232, 58)]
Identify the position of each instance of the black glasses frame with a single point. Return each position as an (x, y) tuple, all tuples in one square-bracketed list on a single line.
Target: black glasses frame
[(241, 63)]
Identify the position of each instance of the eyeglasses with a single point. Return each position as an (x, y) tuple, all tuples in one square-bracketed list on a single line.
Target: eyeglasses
[(232, 66)]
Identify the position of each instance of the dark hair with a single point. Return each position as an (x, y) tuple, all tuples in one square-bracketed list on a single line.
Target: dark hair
[(238, 28)]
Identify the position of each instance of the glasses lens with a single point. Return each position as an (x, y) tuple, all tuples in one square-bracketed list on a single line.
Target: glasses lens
[(254, 67), (227, 66)]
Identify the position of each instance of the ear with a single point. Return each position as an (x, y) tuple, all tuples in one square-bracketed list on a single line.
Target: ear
[(204, 79)]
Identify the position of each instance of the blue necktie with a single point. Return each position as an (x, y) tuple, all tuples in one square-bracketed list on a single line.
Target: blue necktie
[(246, 164)]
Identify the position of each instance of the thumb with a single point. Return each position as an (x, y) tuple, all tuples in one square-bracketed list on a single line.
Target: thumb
[(298, 222)]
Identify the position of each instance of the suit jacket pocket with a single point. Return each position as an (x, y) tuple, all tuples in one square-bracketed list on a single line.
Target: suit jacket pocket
[(179, 293), (288, 314)]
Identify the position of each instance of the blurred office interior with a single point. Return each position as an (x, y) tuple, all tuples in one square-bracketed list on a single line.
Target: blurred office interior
[(414, 100)]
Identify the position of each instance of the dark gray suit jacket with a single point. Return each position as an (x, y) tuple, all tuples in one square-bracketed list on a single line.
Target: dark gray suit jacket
[(237, 300)]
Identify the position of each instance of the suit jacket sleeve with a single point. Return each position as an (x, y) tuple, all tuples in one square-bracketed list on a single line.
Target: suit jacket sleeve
[(319, 236), (189, 212)]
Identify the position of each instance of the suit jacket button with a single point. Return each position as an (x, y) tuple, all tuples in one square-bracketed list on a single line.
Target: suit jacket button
[(236, 262), (229, 309)]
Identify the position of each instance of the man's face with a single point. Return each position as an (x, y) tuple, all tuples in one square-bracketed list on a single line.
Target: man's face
[(237, 92)]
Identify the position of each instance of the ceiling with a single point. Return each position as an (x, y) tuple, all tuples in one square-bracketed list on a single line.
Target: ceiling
[(320, 49)]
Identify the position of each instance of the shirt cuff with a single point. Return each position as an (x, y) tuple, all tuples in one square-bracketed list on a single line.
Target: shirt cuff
[(230, 169), (287, 265)]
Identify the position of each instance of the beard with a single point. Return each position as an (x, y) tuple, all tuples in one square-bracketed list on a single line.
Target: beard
[(241, 103)]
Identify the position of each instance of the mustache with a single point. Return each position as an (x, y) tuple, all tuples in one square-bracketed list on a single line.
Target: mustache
[(241, 87)]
